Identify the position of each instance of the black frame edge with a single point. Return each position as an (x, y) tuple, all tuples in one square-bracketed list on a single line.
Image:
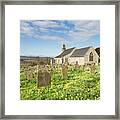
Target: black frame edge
[(117, 18)]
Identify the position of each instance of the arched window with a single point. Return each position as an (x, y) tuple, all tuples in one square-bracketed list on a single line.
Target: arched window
[(91, 57)]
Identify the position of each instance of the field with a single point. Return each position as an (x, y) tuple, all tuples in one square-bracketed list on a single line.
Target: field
[(81, 84)]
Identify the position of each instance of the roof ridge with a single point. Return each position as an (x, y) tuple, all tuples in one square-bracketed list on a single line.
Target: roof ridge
[(65, 52), (84, 48), (69, 48)]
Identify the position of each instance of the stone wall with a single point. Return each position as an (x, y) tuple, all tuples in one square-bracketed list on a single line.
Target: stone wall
[(95, 56)]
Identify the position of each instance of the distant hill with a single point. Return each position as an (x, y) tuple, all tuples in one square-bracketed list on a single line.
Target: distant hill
[(98, 51), (33, 57), (33, 60)]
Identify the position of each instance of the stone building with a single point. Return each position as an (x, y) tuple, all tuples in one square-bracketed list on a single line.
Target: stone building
[(80, 56)]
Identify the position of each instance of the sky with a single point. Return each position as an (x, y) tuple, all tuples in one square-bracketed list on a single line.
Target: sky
[(46, 37)]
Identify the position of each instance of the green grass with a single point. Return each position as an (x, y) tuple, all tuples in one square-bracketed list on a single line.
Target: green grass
[(80, 85)]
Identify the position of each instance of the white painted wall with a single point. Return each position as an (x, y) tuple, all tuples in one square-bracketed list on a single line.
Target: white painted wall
[(58, 60), (72, 60)]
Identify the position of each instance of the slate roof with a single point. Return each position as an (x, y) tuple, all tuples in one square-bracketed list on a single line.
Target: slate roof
[(66, 52), (77, 53), (80, 52)]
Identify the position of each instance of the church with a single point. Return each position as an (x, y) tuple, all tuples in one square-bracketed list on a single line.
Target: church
[(82, 56)]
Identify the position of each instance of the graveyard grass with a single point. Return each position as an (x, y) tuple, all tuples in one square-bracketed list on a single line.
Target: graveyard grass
[(81, 84)]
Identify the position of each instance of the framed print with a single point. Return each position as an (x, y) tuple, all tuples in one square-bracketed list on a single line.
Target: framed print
[(60, 59)]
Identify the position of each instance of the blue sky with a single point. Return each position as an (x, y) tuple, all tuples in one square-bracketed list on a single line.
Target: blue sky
[(46, 37)]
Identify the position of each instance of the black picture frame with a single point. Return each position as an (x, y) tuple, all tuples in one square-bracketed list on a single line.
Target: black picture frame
[(55, 2)]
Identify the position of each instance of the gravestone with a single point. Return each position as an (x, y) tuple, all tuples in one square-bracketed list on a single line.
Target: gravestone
[(44, 79), (29, 75), (64, 71), (51, 71), (77, 66), (92, 68)]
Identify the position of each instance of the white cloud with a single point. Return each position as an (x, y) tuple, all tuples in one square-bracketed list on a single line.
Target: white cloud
[(49, 37), (45, 30), (84, 30), (45, 24), (25, 28), (88, 26)]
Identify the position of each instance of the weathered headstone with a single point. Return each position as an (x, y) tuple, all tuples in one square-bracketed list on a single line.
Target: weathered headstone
[(51, 71), (29, 75), (44, 79), (92, 68), (77, 66), (64, 72)]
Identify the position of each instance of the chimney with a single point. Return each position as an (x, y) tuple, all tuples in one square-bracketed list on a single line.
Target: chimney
[(63, 48)]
